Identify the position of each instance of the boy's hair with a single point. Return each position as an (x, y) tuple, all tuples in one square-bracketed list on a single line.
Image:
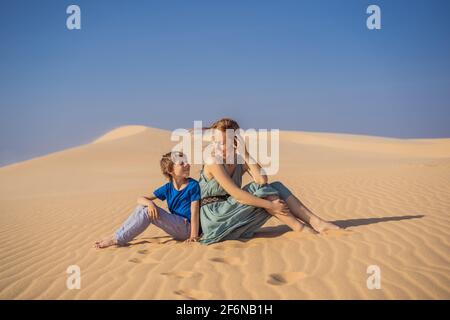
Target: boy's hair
[(167, 162)]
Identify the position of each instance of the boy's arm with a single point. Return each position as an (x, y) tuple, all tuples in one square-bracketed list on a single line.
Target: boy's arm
[(151, 207), (195, 220), (146, 201)]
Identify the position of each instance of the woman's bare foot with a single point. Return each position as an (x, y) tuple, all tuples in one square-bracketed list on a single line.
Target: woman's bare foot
[(322, 226), (105, 243), (307, 229)]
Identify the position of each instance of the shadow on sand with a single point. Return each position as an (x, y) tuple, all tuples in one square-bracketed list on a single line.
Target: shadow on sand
[(150, 240), (276, 231), (272, 232), (365, 221)]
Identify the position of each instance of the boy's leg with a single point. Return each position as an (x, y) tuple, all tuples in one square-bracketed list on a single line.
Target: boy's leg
[(136, 223), (177, 227)]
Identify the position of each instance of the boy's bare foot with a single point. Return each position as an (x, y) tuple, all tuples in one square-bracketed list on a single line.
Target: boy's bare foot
[(105, 243), (321, 225)]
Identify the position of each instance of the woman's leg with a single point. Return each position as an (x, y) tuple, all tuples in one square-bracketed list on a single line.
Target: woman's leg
[(299, 210), (287, 219)]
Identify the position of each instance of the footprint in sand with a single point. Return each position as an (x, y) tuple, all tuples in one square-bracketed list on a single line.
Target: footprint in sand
[(150, 265), (231, 261), (144, 251), (193, 294), (181, 274), (285, 278)]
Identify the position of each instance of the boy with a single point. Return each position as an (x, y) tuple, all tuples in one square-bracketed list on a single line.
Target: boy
[(182, 194)]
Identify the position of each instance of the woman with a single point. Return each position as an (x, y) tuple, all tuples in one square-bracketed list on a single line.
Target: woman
[(229, 212)]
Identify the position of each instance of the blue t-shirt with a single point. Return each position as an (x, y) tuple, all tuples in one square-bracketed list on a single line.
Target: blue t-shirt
[(179, 202)]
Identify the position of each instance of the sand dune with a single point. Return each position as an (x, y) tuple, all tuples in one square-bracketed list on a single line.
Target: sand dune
[(391, 195), (120, 132)]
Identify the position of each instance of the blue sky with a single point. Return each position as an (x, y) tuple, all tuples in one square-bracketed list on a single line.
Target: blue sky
[(294, 65)]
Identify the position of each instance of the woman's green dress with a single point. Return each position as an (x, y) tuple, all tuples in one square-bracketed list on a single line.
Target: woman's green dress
[(229, 219)]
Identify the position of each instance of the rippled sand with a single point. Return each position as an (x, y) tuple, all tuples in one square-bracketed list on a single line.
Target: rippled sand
[(391, 195)]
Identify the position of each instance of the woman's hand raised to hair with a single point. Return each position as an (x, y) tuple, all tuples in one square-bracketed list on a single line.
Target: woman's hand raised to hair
[(240, 144)]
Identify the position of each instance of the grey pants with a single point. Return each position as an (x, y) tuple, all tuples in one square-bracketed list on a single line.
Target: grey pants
[(176, 226)]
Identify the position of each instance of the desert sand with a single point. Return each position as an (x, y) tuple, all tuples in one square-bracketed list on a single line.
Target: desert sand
[(391, 195)]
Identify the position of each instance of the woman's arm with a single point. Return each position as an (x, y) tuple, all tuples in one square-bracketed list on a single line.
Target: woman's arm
[(219, 173), (251, 166), (254, 169), (195, 217)]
